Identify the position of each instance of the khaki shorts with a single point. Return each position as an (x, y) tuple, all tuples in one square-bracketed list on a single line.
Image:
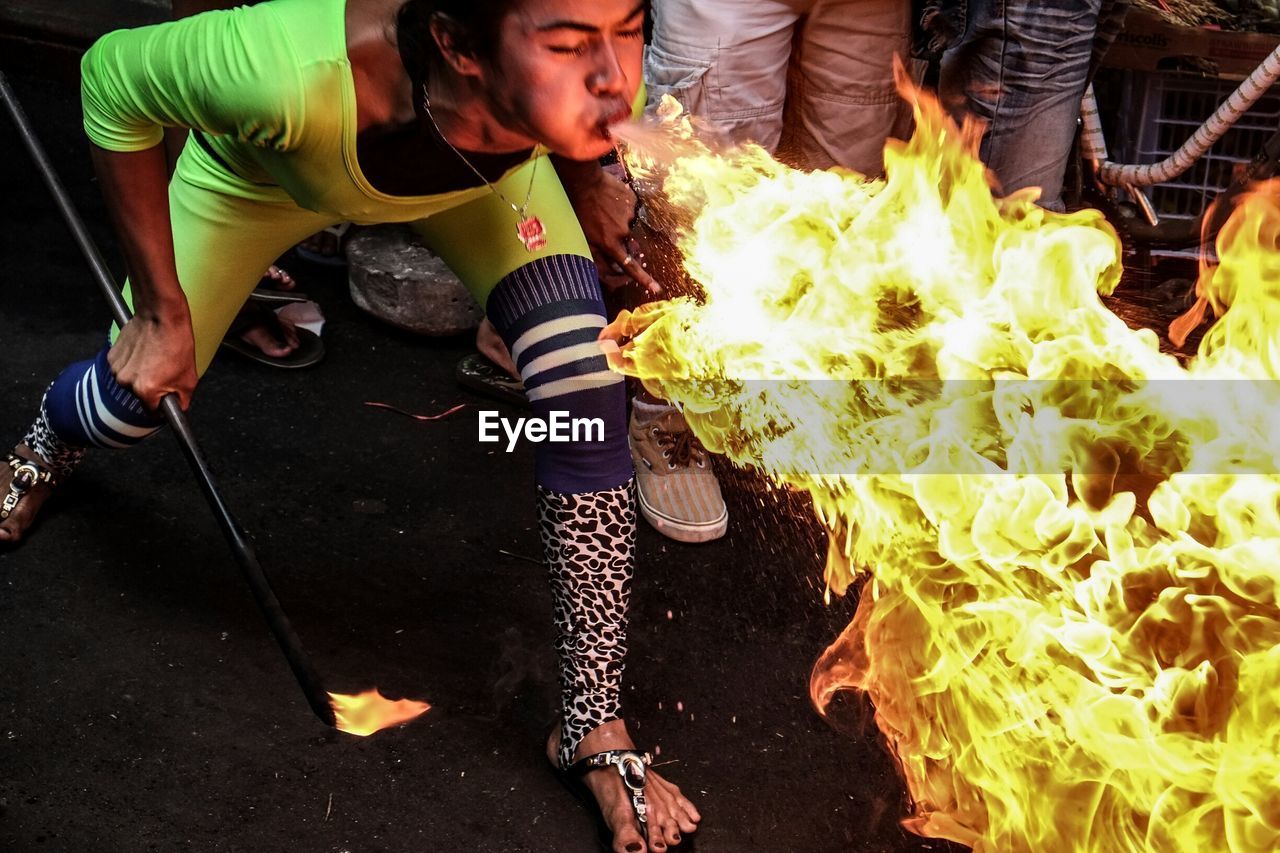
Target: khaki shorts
[(811, 80)]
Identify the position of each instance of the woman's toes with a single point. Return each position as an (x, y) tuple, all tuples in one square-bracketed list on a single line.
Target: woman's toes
[(626, 835), (683, 816), (657, 821), (261, 337), (12, 527), (280, 277), (665, 827), (662, 824), (686, 815)]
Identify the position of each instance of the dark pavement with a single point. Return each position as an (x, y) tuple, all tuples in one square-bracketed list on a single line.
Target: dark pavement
[(144, 706)]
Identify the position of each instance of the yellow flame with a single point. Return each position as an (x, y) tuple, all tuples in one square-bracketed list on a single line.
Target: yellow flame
[(1070, 626), (368, 712)]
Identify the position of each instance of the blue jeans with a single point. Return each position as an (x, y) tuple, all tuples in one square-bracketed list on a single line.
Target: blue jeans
[(1021, 66)]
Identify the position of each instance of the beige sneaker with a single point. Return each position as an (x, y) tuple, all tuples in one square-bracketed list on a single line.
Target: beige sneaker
[(679, 493)]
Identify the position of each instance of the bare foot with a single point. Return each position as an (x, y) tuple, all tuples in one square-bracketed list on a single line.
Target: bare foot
[(671, 815), (13, 527), (275, 338)]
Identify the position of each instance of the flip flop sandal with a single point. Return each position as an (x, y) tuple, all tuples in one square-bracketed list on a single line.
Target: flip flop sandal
[(339, 258), (272, 296), (481, 375), (26, 476), (310, 349), (632, 765)]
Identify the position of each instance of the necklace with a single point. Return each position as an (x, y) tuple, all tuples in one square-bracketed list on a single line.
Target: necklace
[(529, 228)]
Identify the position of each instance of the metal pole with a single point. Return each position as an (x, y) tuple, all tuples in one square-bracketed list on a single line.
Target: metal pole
[(276, 618)]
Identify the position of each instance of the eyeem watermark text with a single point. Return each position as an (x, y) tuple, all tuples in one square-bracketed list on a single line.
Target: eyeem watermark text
[(558, 427)]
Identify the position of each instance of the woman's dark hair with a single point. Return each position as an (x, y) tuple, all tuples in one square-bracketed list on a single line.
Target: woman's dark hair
[(474, 25)]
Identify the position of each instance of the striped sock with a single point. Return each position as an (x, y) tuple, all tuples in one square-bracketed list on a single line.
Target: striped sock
[(86, 407), (550, 312)]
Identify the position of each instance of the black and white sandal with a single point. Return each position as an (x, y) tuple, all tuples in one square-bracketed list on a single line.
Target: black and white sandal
[(26, 475), (632, 765)]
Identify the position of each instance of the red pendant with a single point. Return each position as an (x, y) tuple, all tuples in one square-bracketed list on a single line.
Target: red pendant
[(531, 233)]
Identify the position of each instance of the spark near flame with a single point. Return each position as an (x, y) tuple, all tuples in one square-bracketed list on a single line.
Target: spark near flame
[(1070, 542), (368, 712)]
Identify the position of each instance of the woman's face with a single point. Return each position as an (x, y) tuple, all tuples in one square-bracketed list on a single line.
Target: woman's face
[(567, 69)]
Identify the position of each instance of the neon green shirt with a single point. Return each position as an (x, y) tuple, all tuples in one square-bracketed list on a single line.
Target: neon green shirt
[(272, 86)]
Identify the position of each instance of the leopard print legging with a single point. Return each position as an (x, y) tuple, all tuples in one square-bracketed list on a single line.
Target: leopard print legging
[(61, 457), (590, 544)]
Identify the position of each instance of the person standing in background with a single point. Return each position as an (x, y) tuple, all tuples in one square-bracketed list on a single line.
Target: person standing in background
[(812, 82), (1021, 68)]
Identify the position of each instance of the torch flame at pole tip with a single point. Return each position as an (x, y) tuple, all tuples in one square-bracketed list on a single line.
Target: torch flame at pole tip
[(365, 713)]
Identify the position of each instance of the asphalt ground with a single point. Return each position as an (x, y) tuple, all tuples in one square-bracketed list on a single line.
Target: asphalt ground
[(144, 706)]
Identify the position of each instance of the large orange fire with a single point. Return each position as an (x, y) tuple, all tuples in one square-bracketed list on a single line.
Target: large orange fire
[(1071, 542)]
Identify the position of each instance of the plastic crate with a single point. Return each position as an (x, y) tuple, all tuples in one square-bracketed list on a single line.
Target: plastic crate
[(1163, 109)]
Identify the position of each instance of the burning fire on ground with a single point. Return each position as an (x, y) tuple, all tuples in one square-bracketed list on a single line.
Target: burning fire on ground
[(1071, 542), (368, 712)]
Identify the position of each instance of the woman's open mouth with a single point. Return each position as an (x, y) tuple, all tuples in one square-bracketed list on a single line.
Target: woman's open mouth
[(618, 116)]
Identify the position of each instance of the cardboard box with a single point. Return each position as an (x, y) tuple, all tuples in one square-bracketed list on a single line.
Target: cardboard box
[(1150, 43)]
